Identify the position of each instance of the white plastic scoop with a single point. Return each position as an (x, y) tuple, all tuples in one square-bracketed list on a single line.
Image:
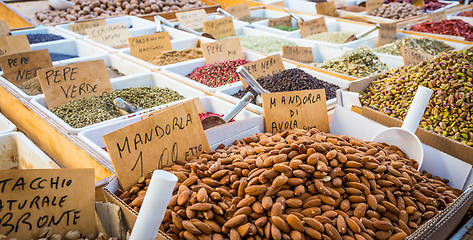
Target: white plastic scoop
[(404, 137)]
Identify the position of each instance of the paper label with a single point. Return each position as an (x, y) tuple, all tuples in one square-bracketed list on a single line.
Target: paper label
[(297, 109), (299, 54), (340, 3), (387, 33), (264, 67), (312, 27), (146, 46), (170, 134), (413, 57), (21, 67), (111, 35), (192, 19), (79, 27), (282, 21), (220, 28), (372, 5), (32, 199), (240, 10), (74, 81), (4, 29), (219, 51), (437, 16), (14, 44), (326, 8)]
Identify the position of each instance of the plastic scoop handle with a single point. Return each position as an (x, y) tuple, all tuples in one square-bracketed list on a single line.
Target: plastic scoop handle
[(238, 107), (250, 80), (417, 109), (299, 19), (225, 13)]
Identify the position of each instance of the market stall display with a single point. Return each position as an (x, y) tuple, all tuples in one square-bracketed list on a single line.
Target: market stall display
[(299, 182)]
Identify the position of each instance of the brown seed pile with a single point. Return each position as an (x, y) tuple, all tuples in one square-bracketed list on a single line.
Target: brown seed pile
[(300, 185)]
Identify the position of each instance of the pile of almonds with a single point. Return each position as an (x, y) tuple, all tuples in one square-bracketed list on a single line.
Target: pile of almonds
[(91, 9), (299, 185)]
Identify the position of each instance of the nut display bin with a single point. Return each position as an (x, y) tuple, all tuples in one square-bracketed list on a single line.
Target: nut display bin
[(6, 125), (18, 152), (143, 79), (133, 23), (93, 136), (122, 65), (179, 71)]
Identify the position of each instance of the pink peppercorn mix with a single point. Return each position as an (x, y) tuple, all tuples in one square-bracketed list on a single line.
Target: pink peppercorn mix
[(466, 14), (217, 74), (208, 114), (455, 27)]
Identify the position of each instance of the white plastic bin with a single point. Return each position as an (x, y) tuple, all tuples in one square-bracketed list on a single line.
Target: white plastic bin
[(176, 37), (93, 136), (179, 71), (18, 152), (133, 23), (176, 45), (263, 25), (122, 65), (228, 92), (43, 30), (70, 47), (6, 125), (137, 80)]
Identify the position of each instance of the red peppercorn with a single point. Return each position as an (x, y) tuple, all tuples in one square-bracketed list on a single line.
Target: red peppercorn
[(455, 27), (218, 74)]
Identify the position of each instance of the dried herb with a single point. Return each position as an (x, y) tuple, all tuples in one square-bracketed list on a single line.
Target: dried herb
[(95, 109), (264, 44), (286, 28), (426, 45), (360, 62), (252, 19), (331, 37)]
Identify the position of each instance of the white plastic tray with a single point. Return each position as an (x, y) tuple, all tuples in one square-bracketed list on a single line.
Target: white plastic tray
[(135, 22), (373, 43), (228, 92), (122, 65), (137, 80), (18, 152), (93, 136), (263, 25), (43, 30), (176, 37), (179, 71), (176, 45), (71, 47), (6, 125)]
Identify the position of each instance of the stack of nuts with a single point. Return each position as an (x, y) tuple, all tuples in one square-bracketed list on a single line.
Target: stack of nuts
[(47, 234), (91, 9), (301, 185), (397, 11)]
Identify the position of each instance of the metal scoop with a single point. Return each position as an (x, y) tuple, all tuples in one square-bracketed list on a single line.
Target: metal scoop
[(252, 82), (158, 24), (125, 107), (404, 137), (213, 121), (179, 26), (362, 34), (225, 13), (299, 19)]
